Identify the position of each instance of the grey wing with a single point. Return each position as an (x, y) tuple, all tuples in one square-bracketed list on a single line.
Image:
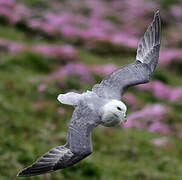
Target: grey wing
[(48, 161), (79, 145), (114, 85)]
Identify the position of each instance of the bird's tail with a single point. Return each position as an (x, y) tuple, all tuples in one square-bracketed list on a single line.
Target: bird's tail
[(57, 158), (70, 98)]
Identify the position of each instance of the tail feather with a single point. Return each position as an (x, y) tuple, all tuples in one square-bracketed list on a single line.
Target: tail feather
[(70, 98)]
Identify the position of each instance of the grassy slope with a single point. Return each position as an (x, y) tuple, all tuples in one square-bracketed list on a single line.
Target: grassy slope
[(118, 153)]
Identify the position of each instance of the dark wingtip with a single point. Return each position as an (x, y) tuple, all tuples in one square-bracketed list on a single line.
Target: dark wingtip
[(158, 18), (157, 13), (24, 173), (19, 174), (30, 171)]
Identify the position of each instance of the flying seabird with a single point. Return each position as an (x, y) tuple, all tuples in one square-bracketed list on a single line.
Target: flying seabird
[(102, 105)]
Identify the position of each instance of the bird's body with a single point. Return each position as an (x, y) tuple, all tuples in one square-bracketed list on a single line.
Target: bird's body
[(107, 109), (102, 105)]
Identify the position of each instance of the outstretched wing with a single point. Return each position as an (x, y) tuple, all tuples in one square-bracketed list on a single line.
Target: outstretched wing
[(79, 145), (48, 161), (114, 85)]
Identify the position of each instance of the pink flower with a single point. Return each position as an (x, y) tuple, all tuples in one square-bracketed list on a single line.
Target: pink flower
[(78, 69), (48, 50), (152, 118), (176, 11), (103, 69), (68, 51), (12, 47), (42, 87), (62, 51), (169, 55), (163, 141), (95, 34), (69, 31), (61, 111), (131, 100), (146, 86), (176, 94), (159, 127), (125, 39), (16, 47), (163, 91), (7, 2)]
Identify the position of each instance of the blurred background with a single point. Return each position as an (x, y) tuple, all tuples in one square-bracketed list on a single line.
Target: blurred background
[(51, 47)]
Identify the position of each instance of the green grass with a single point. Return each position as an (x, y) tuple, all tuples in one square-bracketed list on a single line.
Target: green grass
[(25, 112), (11, 33)]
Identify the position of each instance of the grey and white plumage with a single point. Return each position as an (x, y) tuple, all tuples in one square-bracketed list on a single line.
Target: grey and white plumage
[(102, 105)]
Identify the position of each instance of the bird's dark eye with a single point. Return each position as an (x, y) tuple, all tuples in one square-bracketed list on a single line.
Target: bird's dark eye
[(119, 108)]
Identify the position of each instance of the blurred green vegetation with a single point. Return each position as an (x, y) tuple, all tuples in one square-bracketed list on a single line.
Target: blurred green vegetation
[(27, 116), (118, 153)]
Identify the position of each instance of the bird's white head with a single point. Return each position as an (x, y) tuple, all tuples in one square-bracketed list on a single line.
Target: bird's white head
[(113, 113)]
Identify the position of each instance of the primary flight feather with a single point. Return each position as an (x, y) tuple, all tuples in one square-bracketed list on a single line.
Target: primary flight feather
[(102, 105)]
